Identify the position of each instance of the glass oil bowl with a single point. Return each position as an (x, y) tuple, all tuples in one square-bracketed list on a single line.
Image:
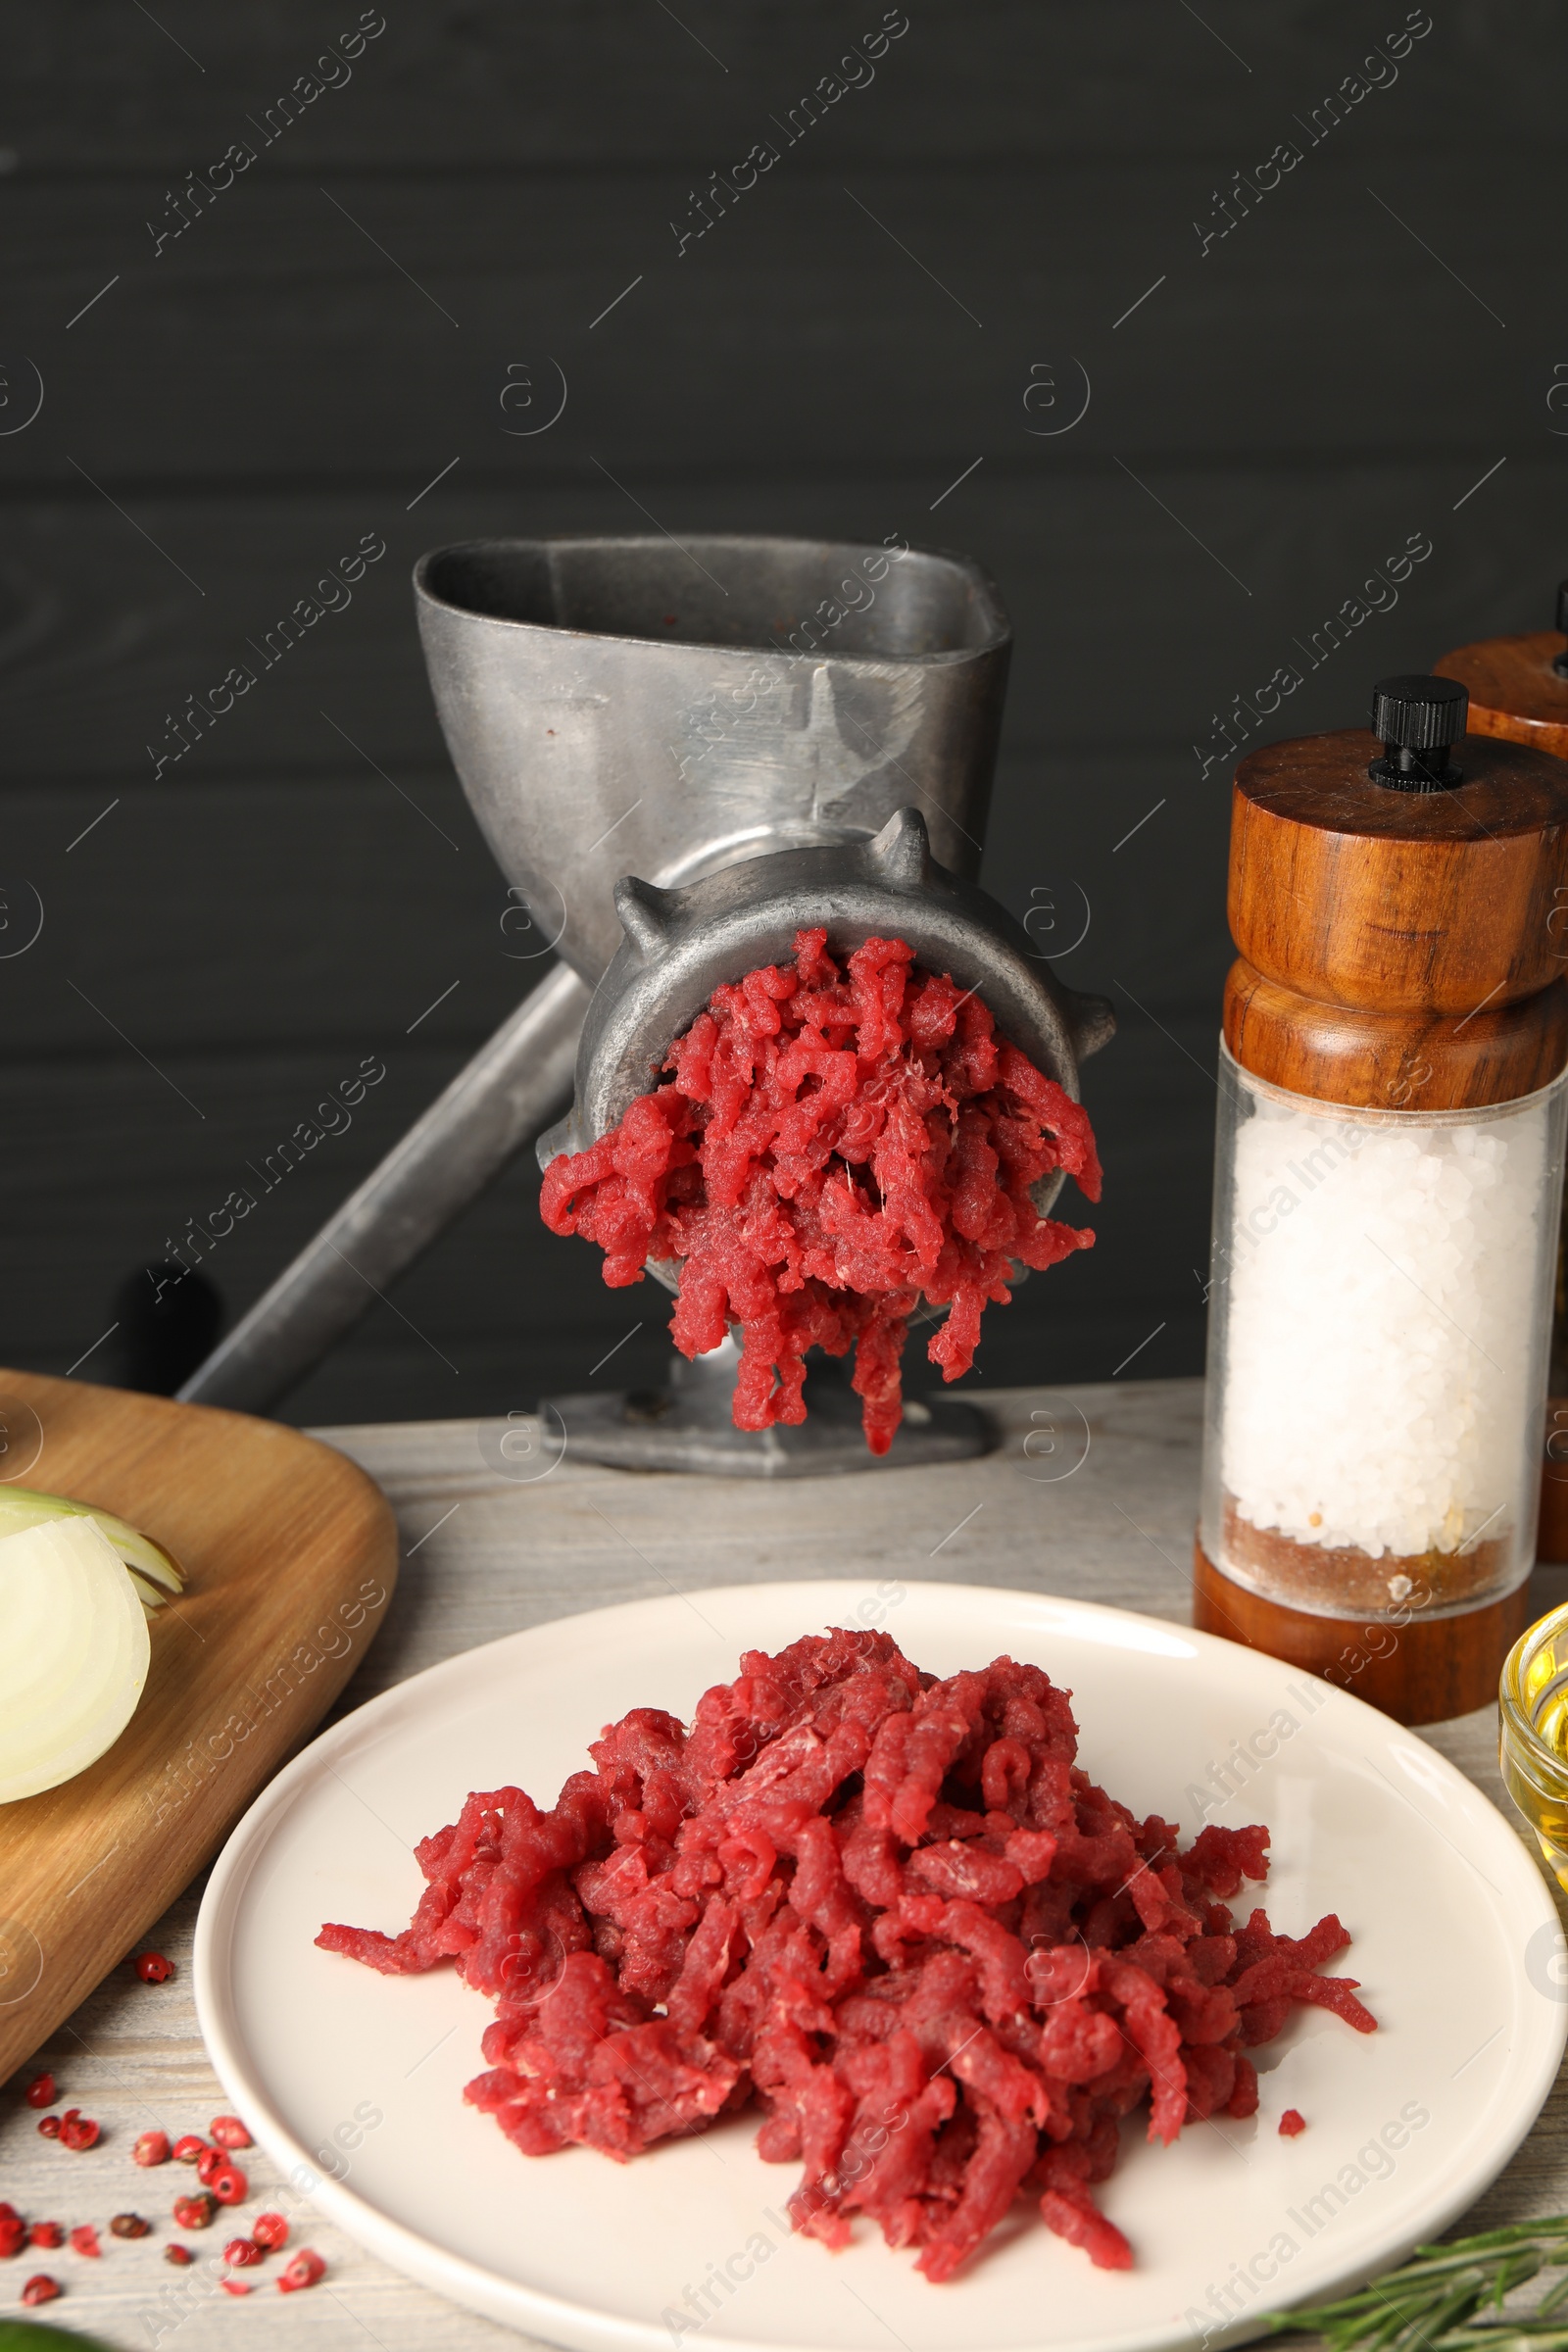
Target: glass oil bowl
[(1533, 1736)]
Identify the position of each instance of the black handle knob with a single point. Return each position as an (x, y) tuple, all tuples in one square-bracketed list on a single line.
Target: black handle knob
[(1415, 719)]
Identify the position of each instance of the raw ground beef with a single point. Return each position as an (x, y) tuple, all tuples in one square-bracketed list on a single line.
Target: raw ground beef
[(889, 1910), (833, 1145)]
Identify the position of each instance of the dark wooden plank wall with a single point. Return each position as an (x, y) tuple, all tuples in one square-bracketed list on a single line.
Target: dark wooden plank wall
[(246, 401)]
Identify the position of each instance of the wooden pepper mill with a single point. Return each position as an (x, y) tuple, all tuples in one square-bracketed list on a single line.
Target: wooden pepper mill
[(1392, 1107), (1518, 688)]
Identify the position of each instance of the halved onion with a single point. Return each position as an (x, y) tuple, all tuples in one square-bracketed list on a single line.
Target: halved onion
[(150, 1564), (74, 1655)]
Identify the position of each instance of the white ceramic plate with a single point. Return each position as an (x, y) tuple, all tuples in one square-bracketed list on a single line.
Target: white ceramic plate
[(344, 2072)]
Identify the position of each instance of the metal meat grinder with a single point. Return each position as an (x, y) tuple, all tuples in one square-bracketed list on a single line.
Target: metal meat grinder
[(771, 733)]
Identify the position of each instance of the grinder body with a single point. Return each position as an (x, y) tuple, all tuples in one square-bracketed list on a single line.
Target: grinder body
[(619, 705)]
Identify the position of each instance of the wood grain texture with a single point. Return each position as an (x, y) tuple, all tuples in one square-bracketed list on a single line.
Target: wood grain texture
[(477, 84), (100, 638), (1552, 1529), (502, 1311), (272, 384), (290, 1555), (329, 913), (1425, 1671), (1394, 1060), (487, 1558), (274, 345), (1514, 689), (1399, 902)]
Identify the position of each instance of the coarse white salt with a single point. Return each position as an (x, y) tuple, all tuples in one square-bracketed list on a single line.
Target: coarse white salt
[(1382, 1290)]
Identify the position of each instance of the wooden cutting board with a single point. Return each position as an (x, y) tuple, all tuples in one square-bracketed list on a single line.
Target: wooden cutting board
[(290, 1555)]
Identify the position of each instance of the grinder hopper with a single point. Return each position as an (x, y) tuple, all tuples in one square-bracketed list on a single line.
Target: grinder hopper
[(620, 706), (623, 706)]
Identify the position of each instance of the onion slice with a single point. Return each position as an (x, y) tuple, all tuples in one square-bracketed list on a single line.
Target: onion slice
[(153, 1567), (75, 1654)]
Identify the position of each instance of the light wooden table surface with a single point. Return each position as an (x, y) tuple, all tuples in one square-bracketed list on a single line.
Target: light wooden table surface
[(1092, 1493)]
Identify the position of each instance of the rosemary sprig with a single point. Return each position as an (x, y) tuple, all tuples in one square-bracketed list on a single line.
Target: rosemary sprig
[(1442, 2298)]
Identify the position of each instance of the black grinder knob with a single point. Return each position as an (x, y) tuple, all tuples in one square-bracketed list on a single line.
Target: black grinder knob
[(1415, 719)]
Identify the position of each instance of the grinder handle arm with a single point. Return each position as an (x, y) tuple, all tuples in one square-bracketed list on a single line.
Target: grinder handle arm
[(515, 1085)]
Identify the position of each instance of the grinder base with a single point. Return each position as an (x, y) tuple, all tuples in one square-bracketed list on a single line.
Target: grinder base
[(688, 1426), (1433, 1667)]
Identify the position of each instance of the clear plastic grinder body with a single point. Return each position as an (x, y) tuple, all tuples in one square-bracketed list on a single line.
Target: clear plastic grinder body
[(689, 715)]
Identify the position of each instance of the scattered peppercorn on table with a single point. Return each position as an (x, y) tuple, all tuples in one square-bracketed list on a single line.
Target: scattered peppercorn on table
[(1091, 1494)]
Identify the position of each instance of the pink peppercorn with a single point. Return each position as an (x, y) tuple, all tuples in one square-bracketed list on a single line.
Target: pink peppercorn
[(210, 2161), (269, 2229), (242, 2252), (46, 2233), (77, 2130), (84, 2240), (188, 2148), (179, 2254), (49, 2125), (194, 2212), (151, 2147), (40, 2091), (229, 2131), (304, 2270), (154, 1969), (13, 2234), (229, 2185), (1291, 2122), (40, 2288)]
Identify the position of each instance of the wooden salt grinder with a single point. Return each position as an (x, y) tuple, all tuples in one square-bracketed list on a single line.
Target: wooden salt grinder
[(1390, 912), (1518, 688)]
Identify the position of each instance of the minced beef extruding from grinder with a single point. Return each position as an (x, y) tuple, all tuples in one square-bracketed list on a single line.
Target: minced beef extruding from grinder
[(832, 1145), (893, 1912)]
